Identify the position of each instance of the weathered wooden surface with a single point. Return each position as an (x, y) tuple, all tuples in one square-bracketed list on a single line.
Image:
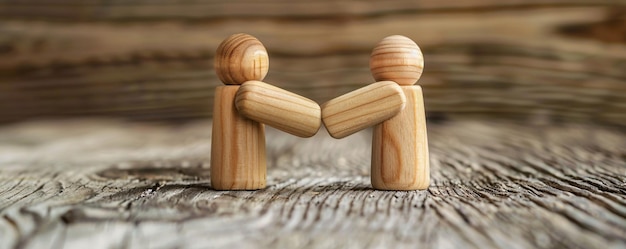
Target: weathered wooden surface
[(106, 184), (559, 59)]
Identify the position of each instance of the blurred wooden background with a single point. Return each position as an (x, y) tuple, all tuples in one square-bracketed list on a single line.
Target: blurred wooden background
[(547, 61)]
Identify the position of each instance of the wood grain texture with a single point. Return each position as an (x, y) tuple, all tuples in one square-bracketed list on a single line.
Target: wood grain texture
[(543, 61), (238, 159), (278, 108), (533, 168), (495, 184), (400, 159), (240, 58), (397, 58), (362, 108)]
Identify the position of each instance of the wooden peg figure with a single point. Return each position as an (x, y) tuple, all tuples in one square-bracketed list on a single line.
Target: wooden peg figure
[(400, 145), (243, 106), (238, 143)]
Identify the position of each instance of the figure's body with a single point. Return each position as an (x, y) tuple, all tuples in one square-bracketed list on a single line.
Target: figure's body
[(238, 146)]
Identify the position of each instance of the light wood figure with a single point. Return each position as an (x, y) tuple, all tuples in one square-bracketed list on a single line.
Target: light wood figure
[(241, 110), (238, 143), (400, 145)]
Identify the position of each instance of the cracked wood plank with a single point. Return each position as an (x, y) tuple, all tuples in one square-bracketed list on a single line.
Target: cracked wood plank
[(495, 184)]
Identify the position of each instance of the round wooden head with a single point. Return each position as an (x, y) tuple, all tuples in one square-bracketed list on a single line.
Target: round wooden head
[(397, 58), (240, 58)]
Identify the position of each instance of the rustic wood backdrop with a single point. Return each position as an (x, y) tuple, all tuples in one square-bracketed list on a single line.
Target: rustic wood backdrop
[(152, 60), (526, 105)]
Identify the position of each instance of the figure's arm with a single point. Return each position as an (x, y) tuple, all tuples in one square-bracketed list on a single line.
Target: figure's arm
[(278, 108), (362, 108)]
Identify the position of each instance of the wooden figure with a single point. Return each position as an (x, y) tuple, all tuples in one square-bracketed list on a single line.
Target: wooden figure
[(400, 145), (396, 107), (241, 110), (238, 143)]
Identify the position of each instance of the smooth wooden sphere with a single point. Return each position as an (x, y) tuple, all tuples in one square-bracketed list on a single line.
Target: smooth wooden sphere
[(240, 58), (397, 58)]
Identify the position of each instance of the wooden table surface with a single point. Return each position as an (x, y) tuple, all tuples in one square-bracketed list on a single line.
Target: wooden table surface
[(495, 184)]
